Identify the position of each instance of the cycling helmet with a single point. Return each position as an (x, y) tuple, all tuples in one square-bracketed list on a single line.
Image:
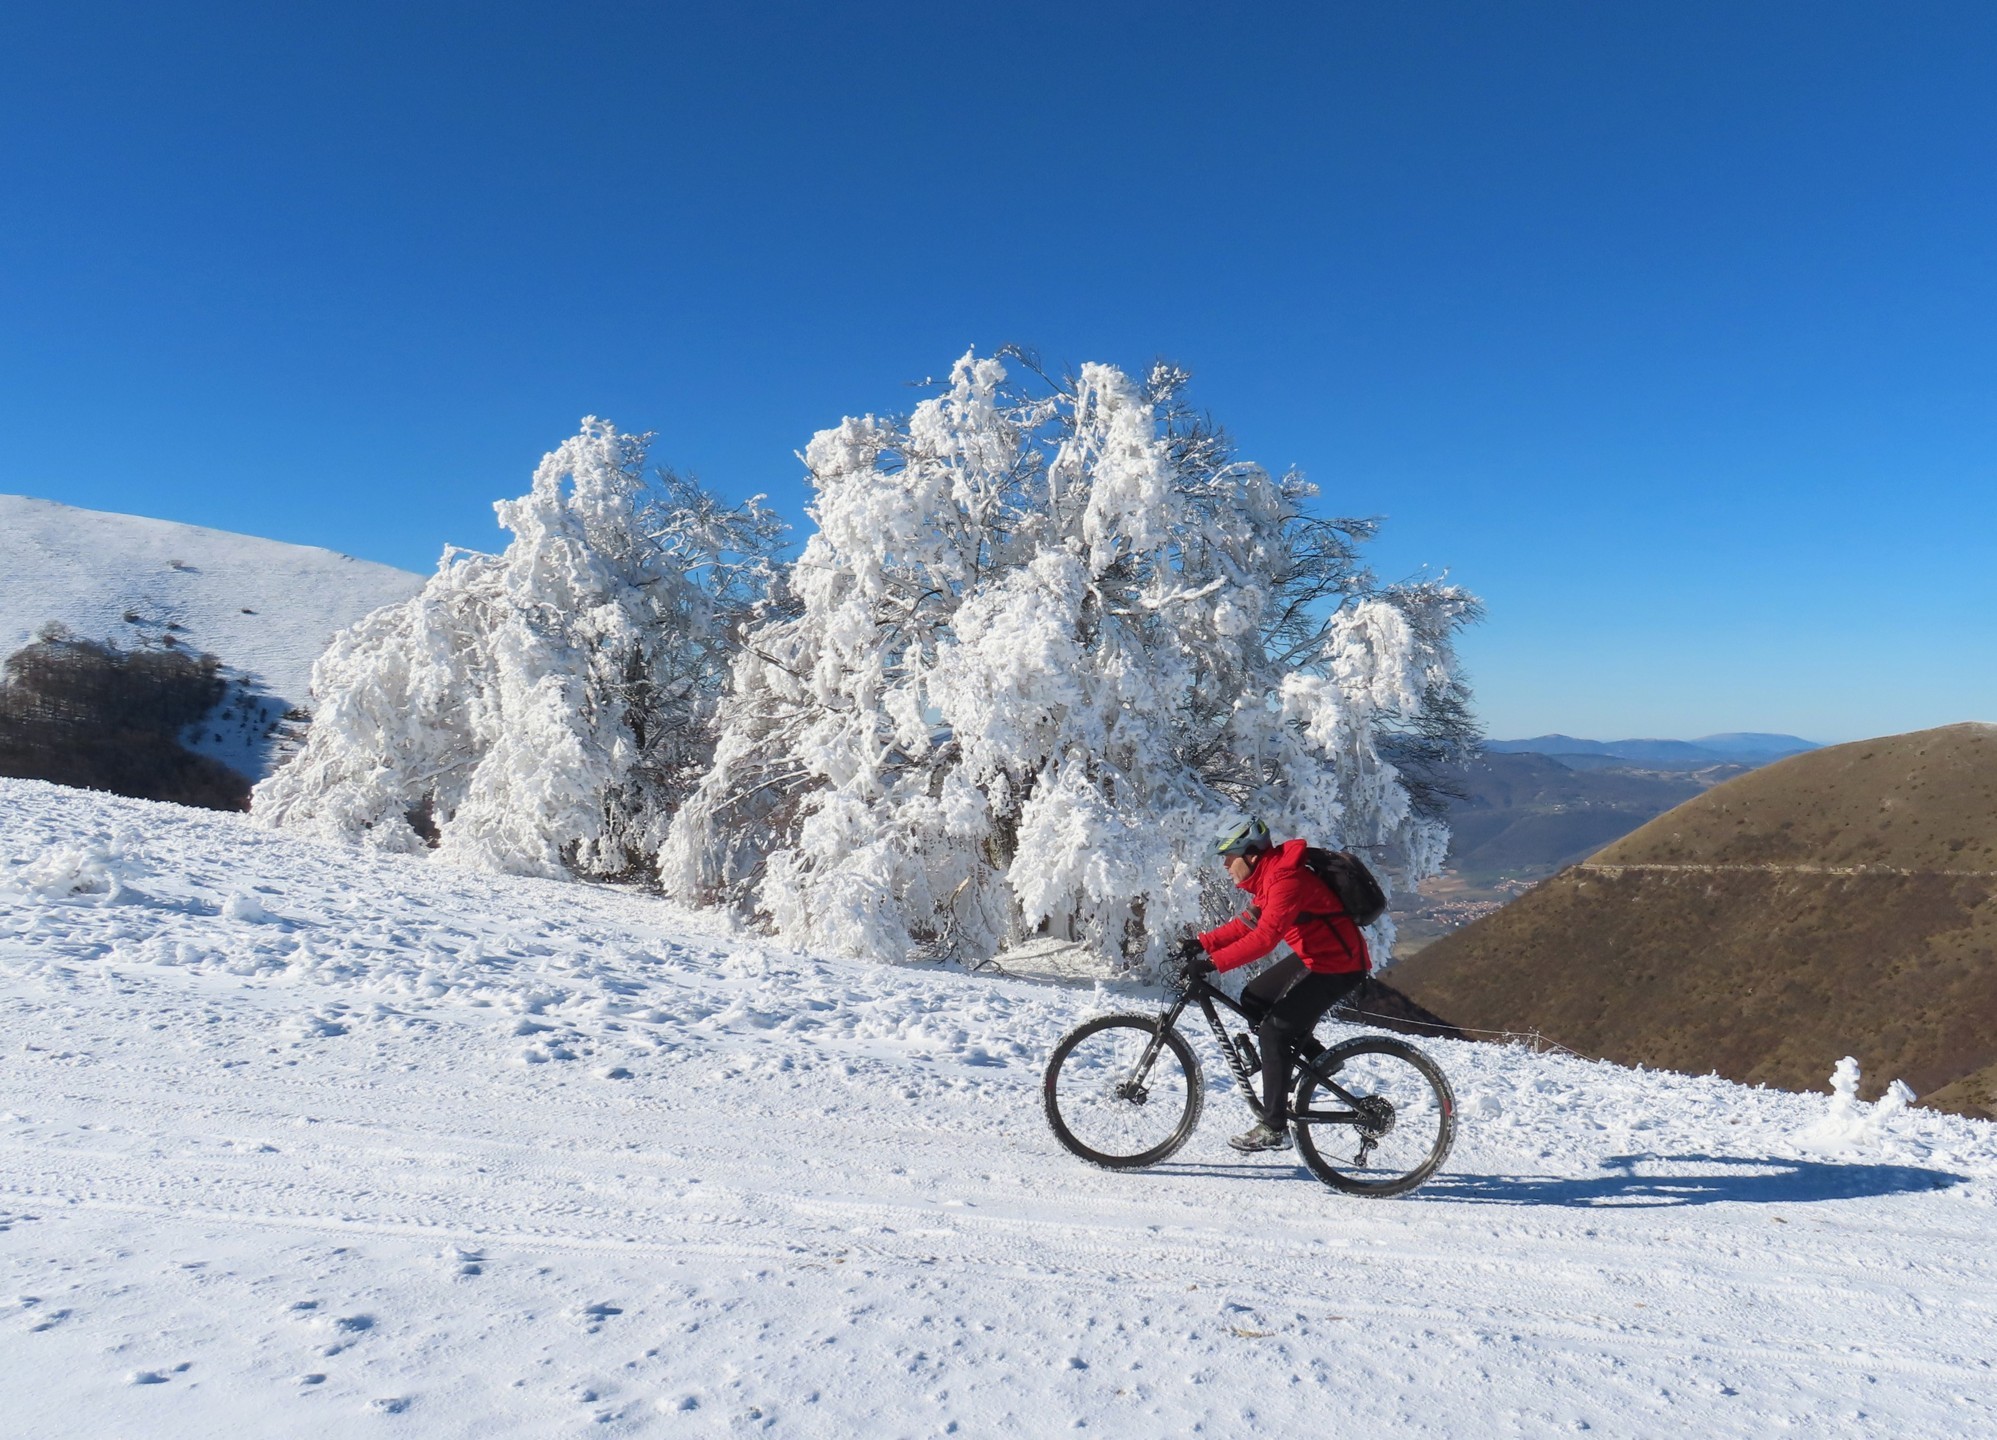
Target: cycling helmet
[(1240, 834)]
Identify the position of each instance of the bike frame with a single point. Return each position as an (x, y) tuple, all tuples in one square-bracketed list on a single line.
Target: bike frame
[(1204, 993)]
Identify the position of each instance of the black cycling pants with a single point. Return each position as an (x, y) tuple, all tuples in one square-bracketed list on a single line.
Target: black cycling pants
[(1286, 1001)]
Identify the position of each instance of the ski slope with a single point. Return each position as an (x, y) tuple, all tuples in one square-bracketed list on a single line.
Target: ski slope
[(265, 608), (311, 1142)]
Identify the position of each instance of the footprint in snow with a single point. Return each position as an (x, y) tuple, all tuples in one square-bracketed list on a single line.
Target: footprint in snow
[(158, 1377), (322, 1026), (469, 1262), (349, 1328), (593, 1316)]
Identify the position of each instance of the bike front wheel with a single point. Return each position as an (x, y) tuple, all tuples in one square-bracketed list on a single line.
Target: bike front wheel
[(1109, 1105), (1373, 1116)]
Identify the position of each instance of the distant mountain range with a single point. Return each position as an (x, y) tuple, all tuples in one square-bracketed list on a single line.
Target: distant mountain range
[(1733, 748), (1522, 817), (1526, 809)]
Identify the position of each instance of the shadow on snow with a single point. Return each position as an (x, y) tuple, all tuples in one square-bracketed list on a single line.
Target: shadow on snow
[(1645, 1181)]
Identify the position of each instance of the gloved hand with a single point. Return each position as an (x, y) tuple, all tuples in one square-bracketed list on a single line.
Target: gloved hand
[(1193, 961)]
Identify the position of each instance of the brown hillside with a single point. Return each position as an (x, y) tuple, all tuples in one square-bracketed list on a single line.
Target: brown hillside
[(1839, 902)]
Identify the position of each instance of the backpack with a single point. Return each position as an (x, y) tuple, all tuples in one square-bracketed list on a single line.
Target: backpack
[(1346, 876)]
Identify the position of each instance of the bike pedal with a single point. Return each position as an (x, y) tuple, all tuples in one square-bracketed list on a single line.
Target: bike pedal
[(1248, 1051)]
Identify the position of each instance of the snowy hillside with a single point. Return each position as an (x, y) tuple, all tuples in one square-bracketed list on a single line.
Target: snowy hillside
[(307, 1141), (265, 608)]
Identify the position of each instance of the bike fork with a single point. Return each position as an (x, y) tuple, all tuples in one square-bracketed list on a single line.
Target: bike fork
[(1165, 1023)]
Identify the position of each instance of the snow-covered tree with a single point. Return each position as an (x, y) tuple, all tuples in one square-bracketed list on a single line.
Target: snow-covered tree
[(539, 711), (1039, 641)]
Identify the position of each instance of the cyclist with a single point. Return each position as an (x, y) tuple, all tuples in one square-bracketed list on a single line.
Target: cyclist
[(1328, 959)]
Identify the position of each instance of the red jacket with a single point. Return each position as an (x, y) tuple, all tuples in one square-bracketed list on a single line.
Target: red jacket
[(1292, 906)]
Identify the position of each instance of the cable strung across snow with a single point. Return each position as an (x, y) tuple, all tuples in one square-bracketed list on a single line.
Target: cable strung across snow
[(1775, 868)]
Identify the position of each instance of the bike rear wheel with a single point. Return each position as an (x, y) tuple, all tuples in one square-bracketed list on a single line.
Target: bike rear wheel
[(1109, 1111), (1373, 1116)]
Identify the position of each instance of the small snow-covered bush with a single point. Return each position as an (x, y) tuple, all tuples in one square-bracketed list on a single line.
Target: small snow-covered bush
[(90, 870), (539, 711), (1039, 640), (1850, 1125)]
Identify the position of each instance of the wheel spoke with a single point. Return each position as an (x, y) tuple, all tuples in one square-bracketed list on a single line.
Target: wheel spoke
[(1399, 1127), (1107, 1106)]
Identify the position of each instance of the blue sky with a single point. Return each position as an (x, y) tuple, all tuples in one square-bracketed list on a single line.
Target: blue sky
[(1670, 329)]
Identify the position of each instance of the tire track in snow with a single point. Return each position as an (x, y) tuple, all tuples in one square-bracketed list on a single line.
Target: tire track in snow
[(452, 1142), (1222, 1283), (1069, 1251)]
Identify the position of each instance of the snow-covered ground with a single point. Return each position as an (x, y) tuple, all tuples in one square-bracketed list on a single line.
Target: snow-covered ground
[(301, 1141), (265, 608)]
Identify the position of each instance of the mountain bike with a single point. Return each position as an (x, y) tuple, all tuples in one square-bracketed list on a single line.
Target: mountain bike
[(1371, 1116)]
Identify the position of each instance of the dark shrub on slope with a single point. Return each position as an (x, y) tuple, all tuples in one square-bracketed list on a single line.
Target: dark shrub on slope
[(92, 716)]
